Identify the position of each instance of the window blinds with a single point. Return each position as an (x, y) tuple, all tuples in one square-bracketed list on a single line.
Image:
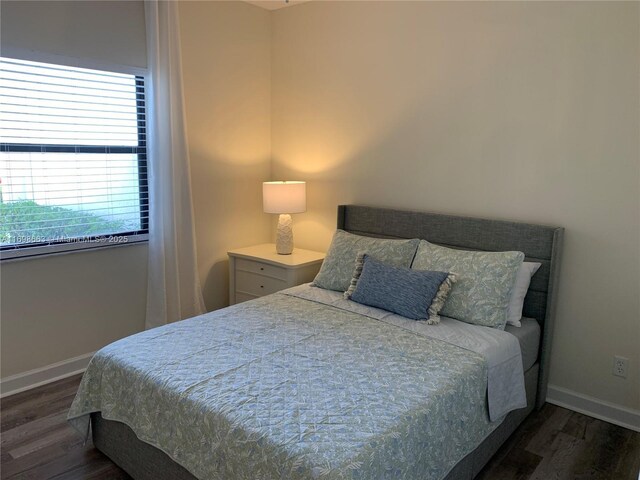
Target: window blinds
[(72, 155)]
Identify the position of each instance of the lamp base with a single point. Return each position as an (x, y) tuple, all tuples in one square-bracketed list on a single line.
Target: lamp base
[(284, 236)]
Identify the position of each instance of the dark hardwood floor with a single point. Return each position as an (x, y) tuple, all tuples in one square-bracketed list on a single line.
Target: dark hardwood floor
[(37, 443)]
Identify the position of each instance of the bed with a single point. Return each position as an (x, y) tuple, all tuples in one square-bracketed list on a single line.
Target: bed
[(301, 384)]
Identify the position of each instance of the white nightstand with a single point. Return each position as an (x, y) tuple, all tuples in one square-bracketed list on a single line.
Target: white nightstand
[(257, 271)]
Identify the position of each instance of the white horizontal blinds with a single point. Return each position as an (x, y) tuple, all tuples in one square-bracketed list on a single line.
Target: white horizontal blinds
[(72, 156), (58, 105)]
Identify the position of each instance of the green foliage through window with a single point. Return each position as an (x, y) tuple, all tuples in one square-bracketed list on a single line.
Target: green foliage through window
[(36, 222)]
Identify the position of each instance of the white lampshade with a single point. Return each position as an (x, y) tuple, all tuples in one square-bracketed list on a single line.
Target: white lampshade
[(284, 197)]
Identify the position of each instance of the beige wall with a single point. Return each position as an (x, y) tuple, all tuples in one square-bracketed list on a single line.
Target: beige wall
[(60, 307), (525, 111), (226, 61), (99, 31)]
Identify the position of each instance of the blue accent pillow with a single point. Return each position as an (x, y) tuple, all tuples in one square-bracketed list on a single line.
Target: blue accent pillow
[(416, 294)]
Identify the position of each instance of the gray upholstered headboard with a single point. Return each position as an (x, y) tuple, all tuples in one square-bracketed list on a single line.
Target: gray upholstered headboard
[(539, 243)]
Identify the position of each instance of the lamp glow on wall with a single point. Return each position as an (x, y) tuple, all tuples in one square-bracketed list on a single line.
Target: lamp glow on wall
[(284, 198)]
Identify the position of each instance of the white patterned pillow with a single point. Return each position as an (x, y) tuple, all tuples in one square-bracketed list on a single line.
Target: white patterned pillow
[(337, 269), (485, 280)]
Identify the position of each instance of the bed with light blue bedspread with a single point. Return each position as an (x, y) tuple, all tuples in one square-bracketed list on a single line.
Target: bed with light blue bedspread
[(286, 387)]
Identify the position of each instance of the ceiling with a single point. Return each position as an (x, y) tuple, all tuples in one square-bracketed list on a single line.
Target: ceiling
[(275, 4)]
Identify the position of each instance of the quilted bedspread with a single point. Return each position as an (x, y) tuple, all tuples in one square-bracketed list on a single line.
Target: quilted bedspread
[(286, 388)]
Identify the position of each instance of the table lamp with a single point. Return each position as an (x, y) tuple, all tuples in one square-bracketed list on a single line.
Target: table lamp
[(284, 198)]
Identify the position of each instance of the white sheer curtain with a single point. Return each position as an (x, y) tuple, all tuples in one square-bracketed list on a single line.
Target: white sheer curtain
[(173, 291)]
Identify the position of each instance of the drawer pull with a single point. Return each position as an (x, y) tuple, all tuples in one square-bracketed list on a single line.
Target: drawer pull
[(261, 286), (261, 268)]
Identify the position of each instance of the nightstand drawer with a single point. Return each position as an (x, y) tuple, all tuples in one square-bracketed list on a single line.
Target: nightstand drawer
[(258, 270), (261, 269), (259, 285)]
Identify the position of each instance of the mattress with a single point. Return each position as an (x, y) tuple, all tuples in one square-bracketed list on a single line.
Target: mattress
[(283, 387), (528, 336)]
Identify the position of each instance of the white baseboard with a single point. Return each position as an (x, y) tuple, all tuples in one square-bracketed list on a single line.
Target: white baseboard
[(594, 407), (41, 376)]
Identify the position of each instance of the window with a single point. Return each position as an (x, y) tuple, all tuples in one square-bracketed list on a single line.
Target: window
[(73, 163)]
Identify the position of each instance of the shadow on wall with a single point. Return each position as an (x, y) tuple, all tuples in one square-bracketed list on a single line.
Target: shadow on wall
[(215, 292), (227, 204)]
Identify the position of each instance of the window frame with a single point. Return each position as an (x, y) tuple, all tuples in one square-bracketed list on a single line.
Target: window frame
[(90, 242)]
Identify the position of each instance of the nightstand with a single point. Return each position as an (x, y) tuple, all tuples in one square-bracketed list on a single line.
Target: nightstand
[(258, 270)]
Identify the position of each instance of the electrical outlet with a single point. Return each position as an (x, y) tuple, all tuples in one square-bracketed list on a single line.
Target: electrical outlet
[(620, 365)]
